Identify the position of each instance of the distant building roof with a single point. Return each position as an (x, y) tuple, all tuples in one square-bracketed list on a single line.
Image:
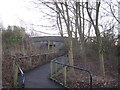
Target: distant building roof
[(47, 38)]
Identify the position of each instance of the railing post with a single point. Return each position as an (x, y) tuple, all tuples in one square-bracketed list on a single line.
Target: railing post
[(15, 74), (23, 78), (51, 63), (65, 75), (56, 66), (90, 81), (30, 62), (46, 57), (62, 61), (39, 59)]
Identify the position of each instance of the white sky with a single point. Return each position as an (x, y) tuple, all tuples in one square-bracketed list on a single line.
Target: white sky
[(12, 11), (9, 9)]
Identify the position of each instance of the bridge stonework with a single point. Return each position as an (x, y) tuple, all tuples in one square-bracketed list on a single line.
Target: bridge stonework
[(46, 43)]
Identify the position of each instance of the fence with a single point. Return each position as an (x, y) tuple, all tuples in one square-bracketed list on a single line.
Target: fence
[(56, 70), (18, 69)]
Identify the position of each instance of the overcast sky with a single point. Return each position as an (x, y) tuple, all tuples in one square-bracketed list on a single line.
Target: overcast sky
[(10, 9), (12, 12)]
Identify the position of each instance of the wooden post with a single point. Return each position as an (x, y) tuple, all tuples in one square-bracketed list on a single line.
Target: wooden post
[(56, 66), (15, 74), (62, 62), (65, 75), (40, 62), (51, 63), (48, 46), (46, 57), (30, 62)]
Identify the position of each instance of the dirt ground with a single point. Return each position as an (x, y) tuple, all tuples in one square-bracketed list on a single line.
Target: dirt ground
[(81, 79)]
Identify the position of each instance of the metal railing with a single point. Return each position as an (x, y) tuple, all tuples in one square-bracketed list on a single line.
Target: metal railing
[(22, 74), (33, 55), (65, 71), (18, 67)]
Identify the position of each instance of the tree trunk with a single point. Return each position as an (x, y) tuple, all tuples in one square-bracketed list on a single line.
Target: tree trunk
[(99, 40), (101, 58), (83, 38), (70, 52), (81, 34), (1, 58)]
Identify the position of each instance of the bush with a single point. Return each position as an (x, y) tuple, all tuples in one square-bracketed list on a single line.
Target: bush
[(63, 50)]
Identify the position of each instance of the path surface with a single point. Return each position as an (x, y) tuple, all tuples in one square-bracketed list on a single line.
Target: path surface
[(39, 78)]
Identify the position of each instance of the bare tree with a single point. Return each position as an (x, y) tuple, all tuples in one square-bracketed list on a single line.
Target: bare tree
[(97, 32), (67, 22)]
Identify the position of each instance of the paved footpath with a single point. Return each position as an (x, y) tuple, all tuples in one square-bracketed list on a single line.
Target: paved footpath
[(39, 78)]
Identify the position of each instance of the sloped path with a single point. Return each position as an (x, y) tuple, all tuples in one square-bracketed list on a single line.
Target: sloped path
[(39, 78)]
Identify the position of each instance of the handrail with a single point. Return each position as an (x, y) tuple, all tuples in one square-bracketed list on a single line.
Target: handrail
[(20, 69), (22, 57), (22, 74), (89, 72)]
